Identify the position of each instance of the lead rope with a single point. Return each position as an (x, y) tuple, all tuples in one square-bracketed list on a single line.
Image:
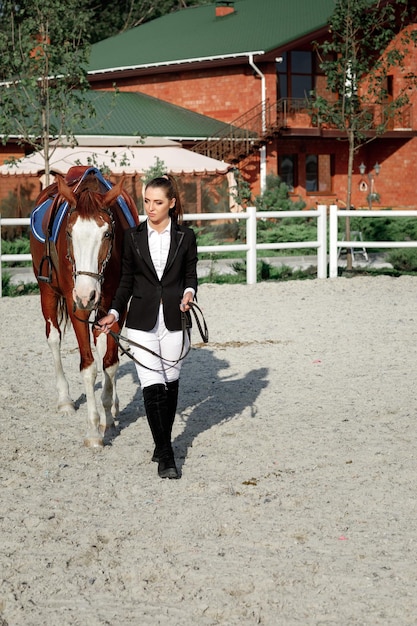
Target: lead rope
[(201, 325)]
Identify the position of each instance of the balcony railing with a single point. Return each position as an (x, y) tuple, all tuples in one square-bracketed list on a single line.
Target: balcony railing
[(266, 120)]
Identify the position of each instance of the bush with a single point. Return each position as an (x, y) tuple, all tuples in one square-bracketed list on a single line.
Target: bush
[(386, 228), (403, 259), (18, 246), (276, 197), (9, 290)]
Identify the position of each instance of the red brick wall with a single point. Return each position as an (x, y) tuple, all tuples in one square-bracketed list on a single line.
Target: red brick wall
[(395, 184), (222, 93)]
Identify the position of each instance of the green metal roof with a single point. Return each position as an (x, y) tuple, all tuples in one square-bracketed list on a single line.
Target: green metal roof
[(127, 114), (196, 33)]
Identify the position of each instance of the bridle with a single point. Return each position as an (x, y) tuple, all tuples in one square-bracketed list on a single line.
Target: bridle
[(99, 276)]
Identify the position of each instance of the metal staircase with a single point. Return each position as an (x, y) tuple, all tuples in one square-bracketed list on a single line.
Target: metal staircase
[(250, 131), (244, 135), (266, 120)]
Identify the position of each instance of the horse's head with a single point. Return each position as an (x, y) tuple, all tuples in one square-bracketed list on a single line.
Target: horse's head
[(90, 234)]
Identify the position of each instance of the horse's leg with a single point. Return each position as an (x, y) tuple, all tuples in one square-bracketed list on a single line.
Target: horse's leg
[(107, 352), (93, 437), (49, 304), (65, 405)]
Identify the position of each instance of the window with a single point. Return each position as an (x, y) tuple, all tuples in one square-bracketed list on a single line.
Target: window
[(287, 170), (295, 74), (319, 173), (312, 172), (301, 74)]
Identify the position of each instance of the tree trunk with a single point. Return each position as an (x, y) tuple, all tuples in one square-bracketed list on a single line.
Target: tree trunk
[(348, 198)]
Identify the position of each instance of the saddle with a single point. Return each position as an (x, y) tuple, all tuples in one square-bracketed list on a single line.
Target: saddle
[(47, 217)]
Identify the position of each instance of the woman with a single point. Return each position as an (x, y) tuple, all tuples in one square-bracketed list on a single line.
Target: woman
[(159, 274)]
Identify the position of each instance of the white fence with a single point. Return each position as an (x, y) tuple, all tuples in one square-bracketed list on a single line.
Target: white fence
[(335, 244), (250, 247), (9, 258)]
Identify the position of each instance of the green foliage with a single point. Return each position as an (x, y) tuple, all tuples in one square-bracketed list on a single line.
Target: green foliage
[(241, 194), (386, 228), (122, 160), (286, 230), (22, 289), (403, 259), (276, 197), (361, 31), (264, 272), (18, 246), (43, 58), (205, 238), (360, 34), (214, 193), (158, 169)]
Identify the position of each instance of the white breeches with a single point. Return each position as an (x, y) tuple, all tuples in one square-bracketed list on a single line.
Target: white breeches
[(168, 345)]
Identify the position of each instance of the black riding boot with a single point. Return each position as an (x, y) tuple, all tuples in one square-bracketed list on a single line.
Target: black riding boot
[(156, 405), (172, 401)]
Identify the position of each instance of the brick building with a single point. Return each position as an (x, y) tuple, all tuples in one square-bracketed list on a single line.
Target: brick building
[(231, 80), (252, 63)]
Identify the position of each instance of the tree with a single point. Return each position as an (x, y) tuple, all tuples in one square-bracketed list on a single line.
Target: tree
[(43, 58), (357, 61), (157, 169)]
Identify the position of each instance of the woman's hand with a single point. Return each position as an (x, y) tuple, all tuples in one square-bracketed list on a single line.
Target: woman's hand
[(106, 322), (187, 297)]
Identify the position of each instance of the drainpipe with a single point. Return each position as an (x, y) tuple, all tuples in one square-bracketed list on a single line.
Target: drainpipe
[(263, 148)]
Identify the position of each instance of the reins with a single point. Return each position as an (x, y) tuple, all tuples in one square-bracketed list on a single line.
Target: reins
[(118, 337), (201, 325)]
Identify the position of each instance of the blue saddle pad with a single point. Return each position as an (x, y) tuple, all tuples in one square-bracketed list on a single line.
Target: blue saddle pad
[(38, 213)]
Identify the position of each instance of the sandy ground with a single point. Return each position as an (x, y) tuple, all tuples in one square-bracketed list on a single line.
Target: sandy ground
[(295, 436)]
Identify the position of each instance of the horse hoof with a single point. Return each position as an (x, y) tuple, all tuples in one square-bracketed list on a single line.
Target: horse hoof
[(93, 442), (66, 408)]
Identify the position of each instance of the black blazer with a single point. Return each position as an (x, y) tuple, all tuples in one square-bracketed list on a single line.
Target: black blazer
[(140, 281)]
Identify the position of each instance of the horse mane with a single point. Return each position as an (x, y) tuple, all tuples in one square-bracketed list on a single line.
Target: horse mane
[(89, 202), (89, 196)]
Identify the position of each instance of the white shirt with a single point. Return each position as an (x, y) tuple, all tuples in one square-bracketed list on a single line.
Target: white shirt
[(159, 244)]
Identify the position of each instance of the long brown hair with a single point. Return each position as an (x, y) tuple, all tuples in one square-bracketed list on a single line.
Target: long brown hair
[(169, 184)]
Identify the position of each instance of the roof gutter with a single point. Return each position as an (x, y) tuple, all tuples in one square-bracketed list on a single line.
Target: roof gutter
[(262, 150), (177, 62)]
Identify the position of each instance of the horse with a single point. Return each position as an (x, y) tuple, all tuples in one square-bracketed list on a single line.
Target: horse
[(76, 240)]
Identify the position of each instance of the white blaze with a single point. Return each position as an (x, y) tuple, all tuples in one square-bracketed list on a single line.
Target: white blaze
[(87, 236)]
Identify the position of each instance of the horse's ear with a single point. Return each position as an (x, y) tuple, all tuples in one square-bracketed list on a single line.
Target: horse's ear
[(66, 192), (114, 192)]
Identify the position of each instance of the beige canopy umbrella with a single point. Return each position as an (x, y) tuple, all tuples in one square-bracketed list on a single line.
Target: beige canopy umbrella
[(132, 157)]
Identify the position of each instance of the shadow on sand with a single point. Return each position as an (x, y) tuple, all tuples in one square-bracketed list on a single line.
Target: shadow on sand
[(207, 397)]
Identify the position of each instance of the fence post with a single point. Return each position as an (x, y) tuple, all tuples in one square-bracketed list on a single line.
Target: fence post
[(333, 249), (322, 241), (251, 243)]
